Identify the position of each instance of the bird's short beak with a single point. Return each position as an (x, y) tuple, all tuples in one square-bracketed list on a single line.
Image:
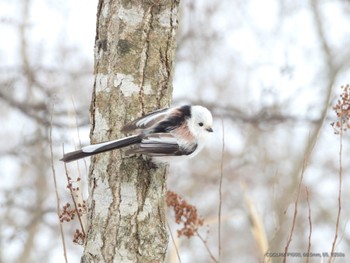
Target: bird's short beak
[(209, 129)]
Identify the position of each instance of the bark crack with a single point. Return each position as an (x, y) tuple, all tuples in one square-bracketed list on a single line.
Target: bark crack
[(148, 20)]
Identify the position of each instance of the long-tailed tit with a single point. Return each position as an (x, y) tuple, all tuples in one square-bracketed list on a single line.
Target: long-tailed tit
[(178, 131)]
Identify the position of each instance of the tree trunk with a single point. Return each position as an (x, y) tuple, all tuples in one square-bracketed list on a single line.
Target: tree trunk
[(134, 54)]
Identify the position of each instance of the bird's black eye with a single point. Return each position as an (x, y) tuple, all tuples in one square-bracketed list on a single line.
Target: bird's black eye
[(200, 124)]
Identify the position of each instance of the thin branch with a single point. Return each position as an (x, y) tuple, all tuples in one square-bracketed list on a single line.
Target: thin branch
[(173, 240), (295, 213), (342, 110), (73, 199), (84, 160), (331, 258), (207, 247), (56, 192), (310, 225), (220, 187)]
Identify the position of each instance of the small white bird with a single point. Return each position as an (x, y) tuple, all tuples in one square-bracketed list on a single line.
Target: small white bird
[(178, 131)]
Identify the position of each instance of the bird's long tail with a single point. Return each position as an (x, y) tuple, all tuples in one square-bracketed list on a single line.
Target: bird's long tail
[(100, 147)]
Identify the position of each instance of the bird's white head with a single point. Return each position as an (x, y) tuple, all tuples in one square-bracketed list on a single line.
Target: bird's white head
[(201, 122)]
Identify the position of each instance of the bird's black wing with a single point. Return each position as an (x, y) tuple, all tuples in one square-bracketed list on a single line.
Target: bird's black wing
[(147, 121), (161, 144)]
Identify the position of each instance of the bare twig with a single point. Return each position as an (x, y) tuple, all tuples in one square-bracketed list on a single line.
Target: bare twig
[(56, 192), (342, 110), (79, 140), (207, 247), (331, 258), (73, 199), (173, 240), (80, 197), (310, 225), (220, 188), (295, 212)]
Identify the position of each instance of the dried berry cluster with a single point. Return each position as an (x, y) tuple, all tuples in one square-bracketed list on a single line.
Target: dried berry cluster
[(79, 237), (185, 214), (70, 184), (82, 208), (342, 110), (68, 212)]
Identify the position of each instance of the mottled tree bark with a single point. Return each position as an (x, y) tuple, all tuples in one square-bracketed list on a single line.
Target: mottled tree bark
[(134, 54)]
